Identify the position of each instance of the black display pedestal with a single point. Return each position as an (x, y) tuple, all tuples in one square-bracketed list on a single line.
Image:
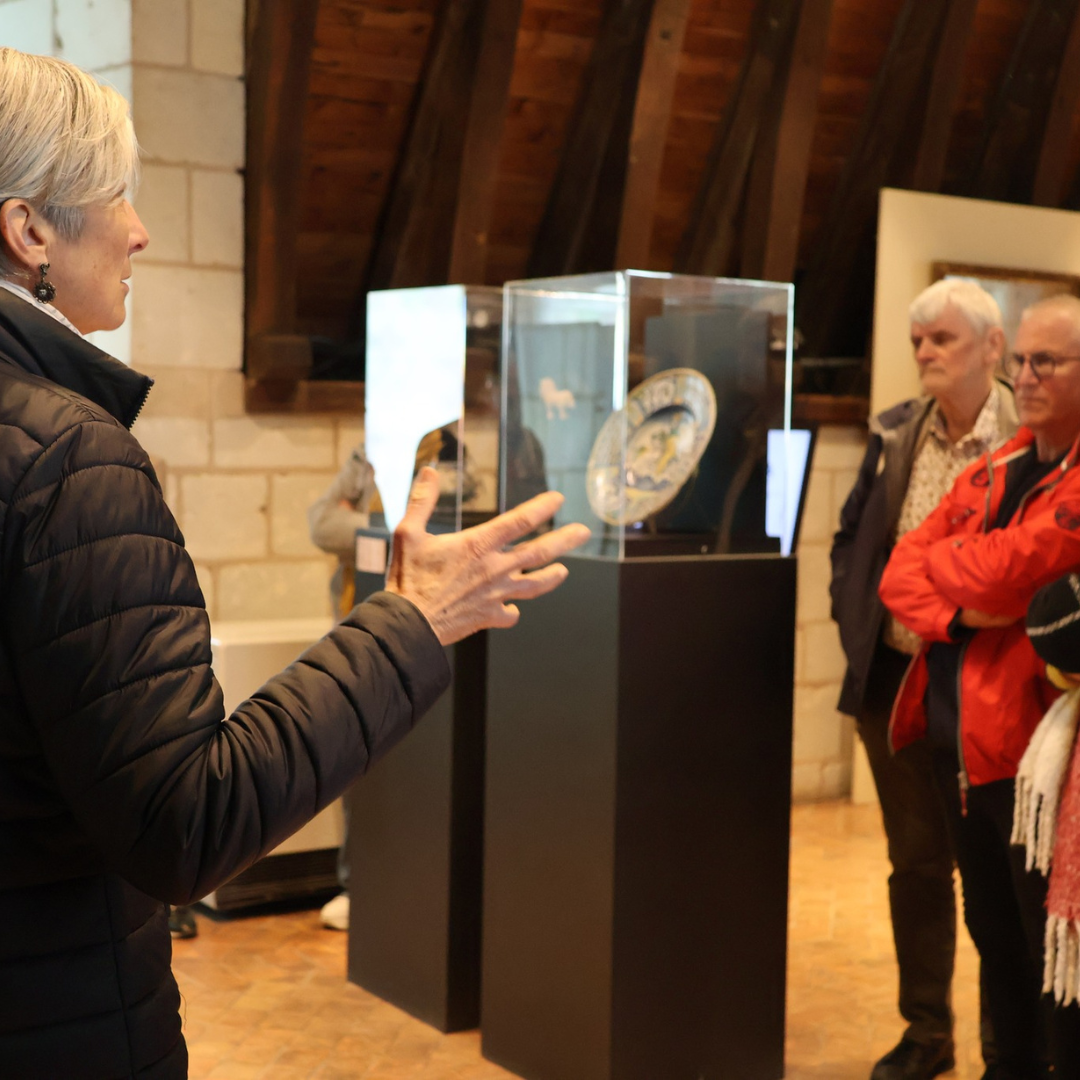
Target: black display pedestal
[(415, 831), (637, 822)]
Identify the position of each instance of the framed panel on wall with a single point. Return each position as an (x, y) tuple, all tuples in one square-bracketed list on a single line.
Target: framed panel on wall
[(1013, 289)]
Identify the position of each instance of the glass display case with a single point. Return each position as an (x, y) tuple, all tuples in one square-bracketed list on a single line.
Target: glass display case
[(415, 830), (659, 405), (432, 398)]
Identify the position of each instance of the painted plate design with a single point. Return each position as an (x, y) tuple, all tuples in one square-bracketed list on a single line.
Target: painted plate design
[(665, 426)]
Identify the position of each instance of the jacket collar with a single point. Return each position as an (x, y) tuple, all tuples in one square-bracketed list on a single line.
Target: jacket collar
[(915, 412), (1023, 439), (41, 346)]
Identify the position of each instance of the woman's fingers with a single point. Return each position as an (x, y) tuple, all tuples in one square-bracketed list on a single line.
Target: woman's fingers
[(422, 499), (527, 586), (546, 548), (494, 535)]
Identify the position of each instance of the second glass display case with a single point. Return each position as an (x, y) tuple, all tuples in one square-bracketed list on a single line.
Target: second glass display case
[(659, 405)]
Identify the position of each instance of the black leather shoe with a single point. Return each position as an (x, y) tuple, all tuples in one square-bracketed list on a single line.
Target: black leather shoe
[(910, 1060)]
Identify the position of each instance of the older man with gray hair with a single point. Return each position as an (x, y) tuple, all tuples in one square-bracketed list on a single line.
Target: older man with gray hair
[(915, 452)]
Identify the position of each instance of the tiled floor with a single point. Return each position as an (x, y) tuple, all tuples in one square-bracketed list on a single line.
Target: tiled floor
[(265, 998)]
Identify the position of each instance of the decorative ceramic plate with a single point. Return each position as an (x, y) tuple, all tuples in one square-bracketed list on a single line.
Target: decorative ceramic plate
[(665, 426)]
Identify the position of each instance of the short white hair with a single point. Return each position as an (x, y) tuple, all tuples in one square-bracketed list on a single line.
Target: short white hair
[(66, 141), (1064, 304), (979, 309)]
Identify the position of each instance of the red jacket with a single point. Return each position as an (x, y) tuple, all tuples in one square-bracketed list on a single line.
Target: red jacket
[(953, 560)]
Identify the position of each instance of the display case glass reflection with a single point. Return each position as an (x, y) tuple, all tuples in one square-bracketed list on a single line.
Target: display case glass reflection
[(647, 400), (432, 398)]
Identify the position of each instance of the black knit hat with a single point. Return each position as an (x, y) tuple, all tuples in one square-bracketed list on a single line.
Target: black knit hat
[(1053, 623)]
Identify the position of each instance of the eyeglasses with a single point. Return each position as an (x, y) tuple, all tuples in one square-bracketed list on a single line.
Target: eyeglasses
[(1042, 364)]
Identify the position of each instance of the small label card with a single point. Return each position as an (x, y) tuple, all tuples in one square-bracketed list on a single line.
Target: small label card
[(371, 555)]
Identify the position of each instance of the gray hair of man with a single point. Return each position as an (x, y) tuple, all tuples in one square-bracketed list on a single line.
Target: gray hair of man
[(1064, 304), (66, 143), (979, 309)]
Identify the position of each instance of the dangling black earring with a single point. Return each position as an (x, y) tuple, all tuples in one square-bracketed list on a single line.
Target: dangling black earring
[(45, 291)]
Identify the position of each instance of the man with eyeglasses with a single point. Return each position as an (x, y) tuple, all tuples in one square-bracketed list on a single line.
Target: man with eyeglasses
[(915, 451), (976, 690)]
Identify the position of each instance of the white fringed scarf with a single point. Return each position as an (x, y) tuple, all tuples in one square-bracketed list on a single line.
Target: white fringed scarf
[(1047, 793)]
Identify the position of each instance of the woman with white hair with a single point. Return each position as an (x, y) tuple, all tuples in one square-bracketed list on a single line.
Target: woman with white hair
[(122, 782)]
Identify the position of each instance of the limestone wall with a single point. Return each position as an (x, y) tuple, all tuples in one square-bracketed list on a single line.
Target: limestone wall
[(239, 485), (823, 737)]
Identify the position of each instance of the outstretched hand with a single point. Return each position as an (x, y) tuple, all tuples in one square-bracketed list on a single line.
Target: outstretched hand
[(466, 581)]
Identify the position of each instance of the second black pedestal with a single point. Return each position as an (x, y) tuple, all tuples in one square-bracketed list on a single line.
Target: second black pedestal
[(414, 838), (637, 819)]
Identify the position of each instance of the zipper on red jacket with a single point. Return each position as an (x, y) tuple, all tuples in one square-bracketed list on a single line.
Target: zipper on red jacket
[(962, 775)]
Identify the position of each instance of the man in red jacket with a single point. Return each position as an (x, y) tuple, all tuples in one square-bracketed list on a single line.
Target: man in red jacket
[(976, 690)]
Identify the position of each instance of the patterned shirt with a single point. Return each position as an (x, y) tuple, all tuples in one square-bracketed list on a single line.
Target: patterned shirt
[(938, 462)]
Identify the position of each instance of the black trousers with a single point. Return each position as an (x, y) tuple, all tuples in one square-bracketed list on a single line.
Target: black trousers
[(1004, 909), (921, 897)]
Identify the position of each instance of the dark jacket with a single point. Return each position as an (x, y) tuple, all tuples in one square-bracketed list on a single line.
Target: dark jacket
[(122, 782), (868, 521)]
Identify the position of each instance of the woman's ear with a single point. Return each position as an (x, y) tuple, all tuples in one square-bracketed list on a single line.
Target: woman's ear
[(23, 233)]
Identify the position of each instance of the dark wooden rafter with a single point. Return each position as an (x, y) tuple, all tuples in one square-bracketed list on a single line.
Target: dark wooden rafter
[(408, 248), (707, 242), (837, 278), (281, 34), (781, 160), (1007, 161), (943, 92), (652, 114), (1051, 177), (483, 134), (586, 195)]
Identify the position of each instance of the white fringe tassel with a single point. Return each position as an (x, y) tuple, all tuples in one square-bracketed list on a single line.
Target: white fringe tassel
[(1061, 971), (1040, 779)]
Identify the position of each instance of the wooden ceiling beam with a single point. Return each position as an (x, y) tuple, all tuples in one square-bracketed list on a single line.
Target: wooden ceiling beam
[(648, 134), (1006, 164), (433, 228), (781, 163), (943, 94), (281, 35), (483, 138), (579, 228), (709, 237), (1051, 171), (836, 280)]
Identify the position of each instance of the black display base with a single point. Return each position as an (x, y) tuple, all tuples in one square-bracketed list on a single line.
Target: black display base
[(637, 823), (415, 831), (295, 875)]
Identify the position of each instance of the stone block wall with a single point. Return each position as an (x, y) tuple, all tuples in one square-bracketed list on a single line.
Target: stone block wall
[(238, 484), (823, 737)]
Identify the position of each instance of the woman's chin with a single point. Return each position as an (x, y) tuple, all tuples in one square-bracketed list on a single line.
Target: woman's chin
[(113, 321)]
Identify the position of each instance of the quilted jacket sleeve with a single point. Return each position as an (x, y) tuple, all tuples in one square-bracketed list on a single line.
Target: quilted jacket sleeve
[(111, 651)]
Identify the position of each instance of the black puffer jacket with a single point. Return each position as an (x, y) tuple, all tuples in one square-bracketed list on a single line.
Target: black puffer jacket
[(122, 783)]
